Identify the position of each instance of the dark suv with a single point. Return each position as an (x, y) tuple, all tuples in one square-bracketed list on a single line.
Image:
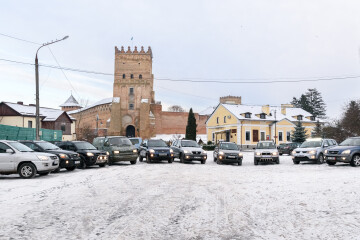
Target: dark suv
[(227, 152), (287, 148), (88, 153), (68, 159), (155, 150), (347, 152)]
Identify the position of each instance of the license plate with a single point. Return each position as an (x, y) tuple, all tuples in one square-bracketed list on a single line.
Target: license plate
[(331, 158), (300, 155), (162, 154), (77, 162), (197, 157), (231, 156), (56, 162)]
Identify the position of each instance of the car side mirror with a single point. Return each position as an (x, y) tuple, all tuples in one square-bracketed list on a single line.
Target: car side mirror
[(9, 150)]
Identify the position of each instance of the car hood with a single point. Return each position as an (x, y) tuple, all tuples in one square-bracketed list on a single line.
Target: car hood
[(160, 148), (307, 149), (42, 154), (266, 150), (60, 151), (190, 149), (342, 148), (92, 151), (123, 148), (229, 151)]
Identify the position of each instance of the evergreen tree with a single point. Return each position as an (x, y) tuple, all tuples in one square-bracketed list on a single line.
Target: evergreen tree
[(311, 102), (191, 126), (350, 122), (318, 132), (299, 134)]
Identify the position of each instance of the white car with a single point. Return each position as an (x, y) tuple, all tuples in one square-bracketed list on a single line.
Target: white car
[(15, 157)]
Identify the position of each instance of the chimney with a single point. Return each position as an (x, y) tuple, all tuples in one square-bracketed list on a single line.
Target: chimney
[(266, 109), (284, 106), (20, 103)]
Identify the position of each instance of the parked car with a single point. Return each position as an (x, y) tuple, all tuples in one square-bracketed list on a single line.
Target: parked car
[(266, 151), (155, 150), (347, 152), (68, 159), (136, 141), (188, 150), (287, 148), (88, 153), (227, 152), (119, 148), (312, 149), (15, 157)]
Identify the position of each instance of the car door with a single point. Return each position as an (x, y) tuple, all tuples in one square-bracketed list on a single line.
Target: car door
[(7, 160), (175, 148)]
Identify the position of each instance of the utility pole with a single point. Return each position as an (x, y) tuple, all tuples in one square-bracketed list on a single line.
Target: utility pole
[(275, 127), (37, 115)]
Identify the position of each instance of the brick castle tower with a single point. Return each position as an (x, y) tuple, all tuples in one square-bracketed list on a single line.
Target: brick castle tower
[(133, 94)]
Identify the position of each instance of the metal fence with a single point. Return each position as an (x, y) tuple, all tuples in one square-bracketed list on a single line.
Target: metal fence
[(19, 133)]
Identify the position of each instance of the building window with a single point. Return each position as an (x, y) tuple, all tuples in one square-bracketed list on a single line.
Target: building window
[(247, 136), (123, 76), (217, 120), (247, 115), (131, 91), (262, 115), (131, 106), (262, 136), (29, 124), (224, 119), (280, 136), (299, 117), (312, 118), (288, 136), (63, 127), (213, 137), (132, 76), (140, 76)]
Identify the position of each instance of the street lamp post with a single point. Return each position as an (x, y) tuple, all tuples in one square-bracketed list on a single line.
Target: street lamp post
[(37, 86)]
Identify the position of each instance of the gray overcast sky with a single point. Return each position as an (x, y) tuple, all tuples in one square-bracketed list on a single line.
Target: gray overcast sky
[(190, 39)]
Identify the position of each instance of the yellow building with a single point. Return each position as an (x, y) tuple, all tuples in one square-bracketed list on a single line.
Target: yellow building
[(245, 125)]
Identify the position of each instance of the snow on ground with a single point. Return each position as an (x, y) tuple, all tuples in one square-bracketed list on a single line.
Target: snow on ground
[(185, 201)]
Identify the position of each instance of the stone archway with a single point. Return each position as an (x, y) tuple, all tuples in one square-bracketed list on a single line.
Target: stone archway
[(130, 131)]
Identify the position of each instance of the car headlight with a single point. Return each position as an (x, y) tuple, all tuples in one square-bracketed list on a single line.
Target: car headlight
[(240, 154), (107, 153), (116, 152), (43, 158), (326, 151), (275, 153), (134, 151), (63, 156), (89, 154), (221, 153), (152, 151), (293, 152), (186, 151), (258, 153), (312, 152), (346, 152), (171, 151)]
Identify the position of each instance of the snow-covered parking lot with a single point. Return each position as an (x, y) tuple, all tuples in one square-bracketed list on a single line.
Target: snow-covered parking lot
[(185, 201)]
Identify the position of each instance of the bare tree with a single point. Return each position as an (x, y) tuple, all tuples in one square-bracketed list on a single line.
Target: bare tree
[(176, 108)]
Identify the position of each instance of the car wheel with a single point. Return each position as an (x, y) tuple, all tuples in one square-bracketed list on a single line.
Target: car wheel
[(27, 170), (141, 158), (182, 158), (218, 161), (320, 159), (203, 161), (56, 170), (148, 158), (256, 162), (170, 160), (240, 163), (296, 162), (277, 161), (70, 168), (280, 154), (330, 163), (215, 158), (355, 161), (44, 173), (133, 162), (101, 165)]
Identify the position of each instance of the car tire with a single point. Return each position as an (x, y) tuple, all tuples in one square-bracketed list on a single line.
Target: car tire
[(296, 162), (330, 163), (148, 158), (44, 173), (56, 170), (101, 165), (27, 170), (218, 161), (141, 158), (182, 158), (133, 162), (355, 161), (280, 154), (203, 161), (215, 159), (170, 160), (256, 162), (240, 163), (320, 159), (70, 168), (277, 161)]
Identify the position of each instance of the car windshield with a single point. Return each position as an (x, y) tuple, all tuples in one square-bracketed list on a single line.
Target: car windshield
[(265, 145), (20, 147), (311, 144), (48, 146), (84, 146), (120, 141), (189, 144), (134, 141), (282, 145), (351, 142), (156, 143), (229, 146)]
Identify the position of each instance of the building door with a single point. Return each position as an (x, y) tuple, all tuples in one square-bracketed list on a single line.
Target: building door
[(255, 135), (130, 131)]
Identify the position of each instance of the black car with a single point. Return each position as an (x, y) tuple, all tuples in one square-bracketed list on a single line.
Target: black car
[(287, 148), (88, 153), (68, 159), (154, 150), (227, 152), (347, 152)]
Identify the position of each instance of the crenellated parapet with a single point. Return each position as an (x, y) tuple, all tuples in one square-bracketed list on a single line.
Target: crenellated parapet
[(134, 51)]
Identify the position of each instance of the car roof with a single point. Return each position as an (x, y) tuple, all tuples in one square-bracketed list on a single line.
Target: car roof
[(227, 142)]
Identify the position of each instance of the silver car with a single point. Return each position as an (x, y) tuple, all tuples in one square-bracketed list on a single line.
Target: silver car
[(266, 151), (15, 157), (313, 149), (188, 150)]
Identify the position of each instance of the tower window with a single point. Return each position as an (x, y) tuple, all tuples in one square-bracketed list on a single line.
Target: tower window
[(132, 76), (131, 91), (140, 76), (131, 106), (123, 76)]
